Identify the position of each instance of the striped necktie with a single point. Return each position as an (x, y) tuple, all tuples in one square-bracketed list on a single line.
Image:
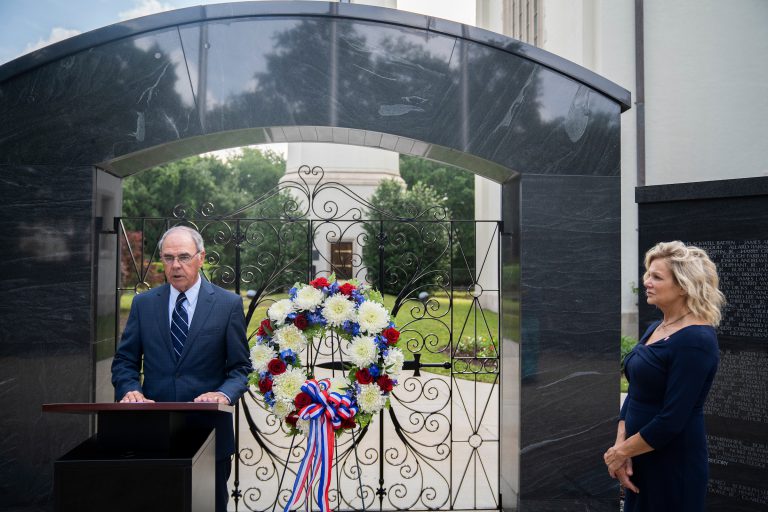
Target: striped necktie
[(179, 325)]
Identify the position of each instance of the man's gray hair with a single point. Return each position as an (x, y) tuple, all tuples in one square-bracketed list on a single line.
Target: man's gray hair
[(184, 229)]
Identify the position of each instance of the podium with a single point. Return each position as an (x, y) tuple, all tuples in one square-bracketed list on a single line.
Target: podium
[(147, 457)]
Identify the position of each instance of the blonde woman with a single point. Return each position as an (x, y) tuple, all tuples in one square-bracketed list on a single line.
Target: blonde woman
[(660, 454)]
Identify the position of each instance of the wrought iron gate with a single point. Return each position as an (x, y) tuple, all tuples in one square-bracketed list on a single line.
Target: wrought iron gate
[(437, 447)]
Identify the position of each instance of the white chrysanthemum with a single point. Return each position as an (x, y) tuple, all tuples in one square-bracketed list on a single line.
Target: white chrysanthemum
[(372, 317), (290, 337), (303, 426), (337, 309), (279, 310), (308, 298), (288, 384), (363, 351), (393, 361), (282, 408), (370, 398), (261, 355)]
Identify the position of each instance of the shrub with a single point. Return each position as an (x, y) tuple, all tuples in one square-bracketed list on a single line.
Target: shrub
[(627, 344)]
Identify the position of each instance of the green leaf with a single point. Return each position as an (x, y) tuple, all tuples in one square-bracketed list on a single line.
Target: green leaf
[(374, 295)]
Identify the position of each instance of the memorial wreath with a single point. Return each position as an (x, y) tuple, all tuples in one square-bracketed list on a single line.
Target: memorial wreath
[(321, 408)]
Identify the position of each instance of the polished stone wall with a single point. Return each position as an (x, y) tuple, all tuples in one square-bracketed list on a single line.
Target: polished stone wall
[(570, 284), (143, 92), (45, 332), (729, 219)]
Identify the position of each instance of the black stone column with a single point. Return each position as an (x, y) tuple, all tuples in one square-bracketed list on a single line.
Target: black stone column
[(569, 362), (45, 333), (107, 207)]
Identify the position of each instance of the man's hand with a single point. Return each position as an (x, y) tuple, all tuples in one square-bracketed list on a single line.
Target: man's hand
[(213, 396), (135, 396)]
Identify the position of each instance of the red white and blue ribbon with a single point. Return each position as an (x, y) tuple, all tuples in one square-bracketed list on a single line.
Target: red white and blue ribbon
[(325, 415)]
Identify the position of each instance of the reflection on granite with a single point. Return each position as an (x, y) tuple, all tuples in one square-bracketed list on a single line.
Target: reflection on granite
[(509, 431), (570, 333), (107, 206), (246, 73), (111, 100), (45, 330)]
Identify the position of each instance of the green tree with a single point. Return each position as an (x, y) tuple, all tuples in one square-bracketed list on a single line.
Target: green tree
[(229, 185), (408, 226), (457, 187), (455, 184), (155, 192), (246, 200)]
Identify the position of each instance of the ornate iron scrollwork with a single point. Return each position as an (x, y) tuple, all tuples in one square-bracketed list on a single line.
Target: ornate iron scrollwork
[(434, 443)]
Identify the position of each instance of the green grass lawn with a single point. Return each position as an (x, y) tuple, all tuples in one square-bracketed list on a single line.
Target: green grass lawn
[(426, 330)]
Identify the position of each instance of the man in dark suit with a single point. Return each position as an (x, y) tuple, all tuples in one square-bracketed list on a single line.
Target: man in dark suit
[(190, 336)]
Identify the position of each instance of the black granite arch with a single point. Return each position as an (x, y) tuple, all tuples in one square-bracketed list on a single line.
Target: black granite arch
[(80, 115)]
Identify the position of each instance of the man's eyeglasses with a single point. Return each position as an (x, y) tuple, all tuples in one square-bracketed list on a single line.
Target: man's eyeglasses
[(184, 259)]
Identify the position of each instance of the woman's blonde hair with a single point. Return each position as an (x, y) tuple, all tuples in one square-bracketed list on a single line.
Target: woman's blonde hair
[(695, 273)]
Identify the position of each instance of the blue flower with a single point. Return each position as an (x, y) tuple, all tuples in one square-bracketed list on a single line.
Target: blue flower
[(334, 288), (374, 370), (316, 319), (263, 375), (358, 297), (288, 356), (291, 315), (351, 327), (269, 397), (381, 342), (292, 293)]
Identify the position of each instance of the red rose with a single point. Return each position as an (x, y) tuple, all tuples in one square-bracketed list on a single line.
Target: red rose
[(320, 282), (291, 419), (301, 322), (347, 288), (348, 422), (391, 334), (265, 328), (364, 376), (276, 367), (385, 383), (265, 385), (302, 400)]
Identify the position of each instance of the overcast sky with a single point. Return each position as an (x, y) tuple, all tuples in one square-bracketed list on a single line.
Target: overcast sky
[(26, 25)]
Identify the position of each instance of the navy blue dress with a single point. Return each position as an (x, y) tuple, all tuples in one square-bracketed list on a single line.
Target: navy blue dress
[(668, 385)]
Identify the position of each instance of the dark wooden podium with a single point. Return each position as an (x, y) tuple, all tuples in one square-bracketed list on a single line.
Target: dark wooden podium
[(144, 457)]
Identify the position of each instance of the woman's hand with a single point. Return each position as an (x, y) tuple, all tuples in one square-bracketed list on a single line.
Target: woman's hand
[(623, 474), (615, 459)]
